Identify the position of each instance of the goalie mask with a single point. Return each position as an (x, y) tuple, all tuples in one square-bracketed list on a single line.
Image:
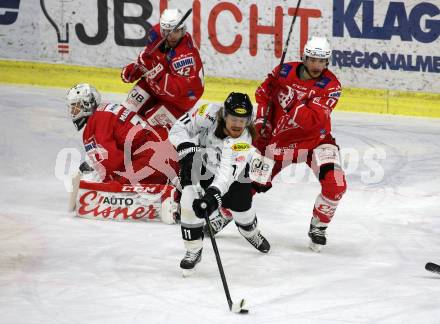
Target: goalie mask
[(317, 47), (82, 101), (169, 20)]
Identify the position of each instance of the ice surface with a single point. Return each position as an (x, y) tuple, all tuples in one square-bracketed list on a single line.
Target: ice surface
[(56, 268)]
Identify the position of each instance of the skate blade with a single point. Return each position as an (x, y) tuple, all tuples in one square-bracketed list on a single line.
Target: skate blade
[(315, 247)]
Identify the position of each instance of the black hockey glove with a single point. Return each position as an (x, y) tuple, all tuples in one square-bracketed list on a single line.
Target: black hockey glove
[(186, 153), (261, 188), (209, 203), (85, 167)]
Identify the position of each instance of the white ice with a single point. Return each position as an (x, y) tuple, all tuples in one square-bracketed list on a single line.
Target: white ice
[(57, 268)]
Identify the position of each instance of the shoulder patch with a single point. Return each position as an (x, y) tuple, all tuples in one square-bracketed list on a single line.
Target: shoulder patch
[(239, 147), (171, 54), (191, 95), (152, 36), (335, 94), (285, 70)]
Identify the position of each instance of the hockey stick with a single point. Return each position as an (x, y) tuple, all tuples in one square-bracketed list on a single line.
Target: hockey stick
[(435, 268), (233, 307), (283, 57)]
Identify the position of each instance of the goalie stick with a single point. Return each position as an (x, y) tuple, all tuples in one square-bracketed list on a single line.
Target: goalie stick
[(76, 178), (233, 307), (432, 267)]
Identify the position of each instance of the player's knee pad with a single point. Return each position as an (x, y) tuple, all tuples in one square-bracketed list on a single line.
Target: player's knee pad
[(187, 215), (332, 180), (244, 218), (239, 197), (247, 227), (190, 233)]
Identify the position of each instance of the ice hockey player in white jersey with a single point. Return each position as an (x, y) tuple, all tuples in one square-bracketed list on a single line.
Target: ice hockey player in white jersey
[(214, 147)]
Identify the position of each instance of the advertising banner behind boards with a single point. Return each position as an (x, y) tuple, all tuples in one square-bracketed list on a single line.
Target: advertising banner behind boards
[(376, 44)]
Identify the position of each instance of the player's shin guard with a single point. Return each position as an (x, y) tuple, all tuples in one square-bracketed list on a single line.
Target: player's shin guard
[(192, 232), (193, 242), (333, 188)]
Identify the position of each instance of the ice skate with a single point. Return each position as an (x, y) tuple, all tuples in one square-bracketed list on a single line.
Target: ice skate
[(189, 262), (259, 242), (255, 238), (317, 234)]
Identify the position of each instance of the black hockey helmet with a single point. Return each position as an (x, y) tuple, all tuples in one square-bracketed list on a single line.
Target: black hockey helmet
[(238, 104)]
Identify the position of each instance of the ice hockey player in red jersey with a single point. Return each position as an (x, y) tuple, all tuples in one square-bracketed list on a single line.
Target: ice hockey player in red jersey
[(121, 145), (132, 163), (169, 78), (293, 120)]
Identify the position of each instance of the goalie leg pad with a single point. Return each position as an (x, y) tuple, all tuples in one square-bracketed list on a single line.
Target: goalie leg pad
[(115, 201)]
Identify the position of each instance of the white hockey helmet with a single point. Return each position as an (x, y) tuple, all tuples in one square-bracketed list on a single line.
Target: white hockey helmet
[(317, 47), (82, 100), (169, 19)]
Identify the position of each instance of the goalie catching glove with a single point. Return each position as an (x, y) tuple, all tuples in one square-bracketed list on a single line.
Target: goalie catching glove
[(209, 203)]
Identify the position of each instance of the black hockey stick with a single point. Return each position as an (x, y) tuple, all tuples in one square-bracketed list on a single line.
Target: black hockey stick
[(283, 57), (233, 307), (433, 267)]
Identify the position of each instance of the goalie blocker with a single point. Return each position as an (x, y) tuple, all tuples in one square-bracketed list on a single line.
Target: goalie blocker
[(126, 202)]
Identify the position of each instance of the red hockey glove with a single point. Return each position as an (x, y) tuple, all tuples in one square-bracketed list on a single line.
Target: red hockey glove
[(155, 87), (156, 72), (131, 72), (273, 87), (264, 132), (154, 68)]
